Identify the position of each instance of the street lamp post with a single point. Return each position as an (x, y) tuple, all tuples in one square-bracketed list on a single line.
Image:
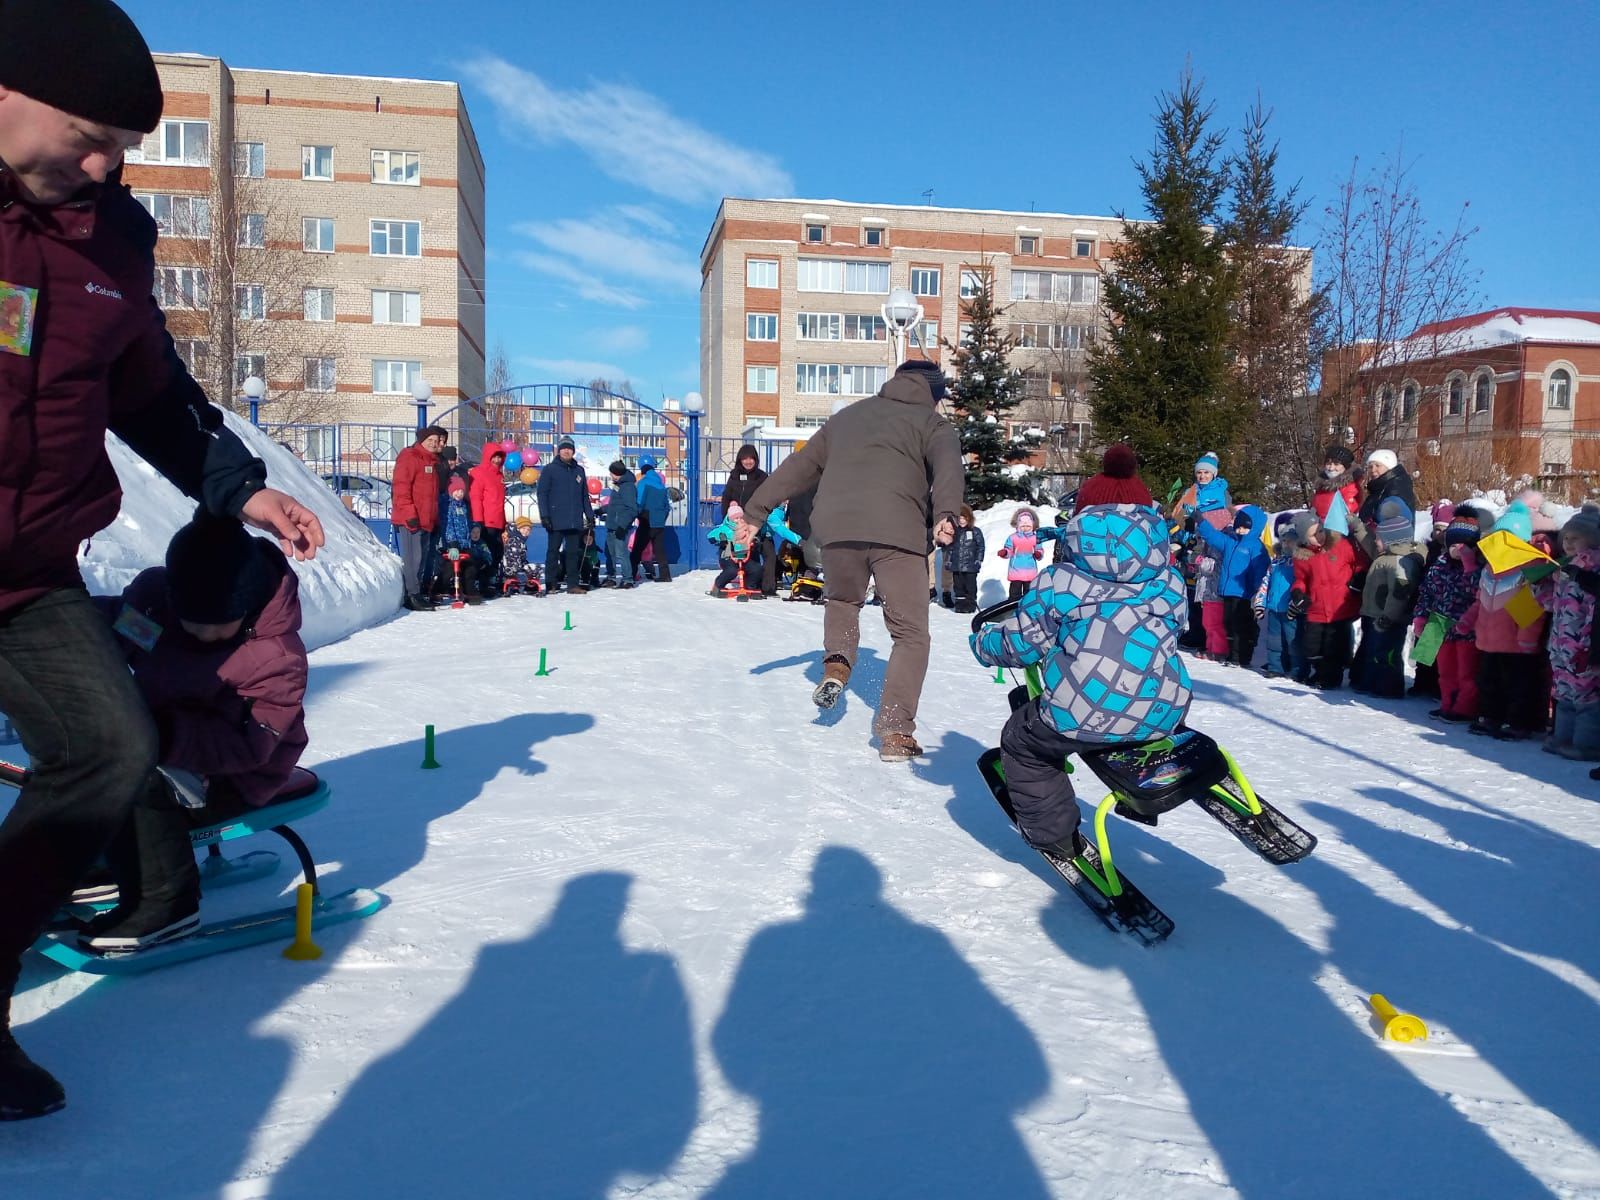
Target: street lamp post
[(901, 311), (694, 407), (421, 393), (254, 388)]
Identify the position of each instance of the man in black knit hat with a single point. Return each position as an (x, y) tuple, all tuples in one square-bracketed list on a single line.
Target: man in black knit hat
[(83, 348)]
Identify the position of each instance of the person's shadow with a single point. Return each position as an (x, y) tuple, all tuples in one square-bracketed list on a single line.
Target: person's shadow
[(866, 679), (192, 1034), (1295, 1098), (563, 1066), (882, 1064)]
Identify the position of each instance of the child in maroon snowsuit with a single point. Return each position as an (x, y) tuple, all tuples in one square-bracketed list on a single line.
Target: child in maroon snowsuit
[(213, 639)]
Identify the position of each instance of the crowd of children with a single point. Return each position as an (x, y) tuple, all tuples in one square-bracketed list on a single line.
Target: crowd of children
[(1503, 636)]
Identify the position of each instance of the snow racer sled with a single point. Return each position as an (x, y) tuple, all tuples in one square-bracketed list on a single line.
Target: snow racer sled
[(302, 796), (1145, 781)]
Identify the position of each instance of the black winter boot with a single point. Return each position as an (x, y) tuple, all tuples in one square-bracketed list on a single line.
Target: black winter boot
[(26, 1089)]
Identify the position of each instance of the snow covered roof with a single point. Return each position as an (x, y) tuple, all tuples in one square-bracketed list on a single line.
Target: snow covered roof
[(1498, 327)]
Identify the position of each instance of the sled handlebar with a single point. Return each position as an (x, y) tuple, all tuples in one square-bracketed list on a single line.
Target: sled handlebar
[(995, 612)]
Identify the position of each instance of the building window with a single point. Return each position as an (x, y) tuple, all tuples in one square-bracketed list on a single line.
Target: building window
[(761, 327), (1075, 287), (316, 162), (1386, 406), (820, 275), (396, 308), (1558, 389), (963, 333), (928, 335), (1408, 402), (396, 239), (397, 166), (246, 365), (317, 303), (317, 234), (817, 327), (816, 233), (859, 327), (832, 275), (1482, 393), (250, 160), (1555, 468), (816, 379), (867, 278), (389, 440), (319, 374), (183, 287), (862, 381), (761, 272), (1083, 248), (178, 216), (394, 376), (924, 281), (252, 231), (250, 301), (1455, 397), (194, 354), (184, 143), (1027, 245), (809, 422), (763, 380), (872, 235), (971, 284)]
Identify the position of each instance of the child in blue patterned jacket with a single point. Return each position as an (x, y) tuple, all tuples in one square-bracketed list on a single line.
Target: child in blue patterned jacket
[(1103, 627)]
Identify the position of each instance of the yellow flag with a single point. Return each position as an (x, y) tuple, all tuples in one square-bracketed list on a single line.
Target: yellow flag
[(1523, 608), (1506, 552)]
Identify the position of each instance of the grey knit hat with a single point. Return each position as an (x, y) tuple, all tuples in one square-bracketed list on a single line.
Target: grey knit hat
[(1585, 523)]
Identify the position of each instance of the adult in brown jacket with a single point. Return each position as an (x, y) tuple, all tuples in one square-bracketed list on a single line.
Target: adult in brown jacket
[(889, 480)]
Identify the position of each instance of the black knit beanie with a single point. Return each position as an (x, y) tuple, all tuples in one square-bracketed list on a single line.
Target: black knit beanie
[(1339, 455), (85, 57), (217, 572), (929, 373)]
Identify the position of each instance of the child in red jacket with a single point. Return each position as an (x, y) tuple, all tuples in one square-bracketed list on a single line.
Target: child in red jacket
[(213, 639), (1323, 568)]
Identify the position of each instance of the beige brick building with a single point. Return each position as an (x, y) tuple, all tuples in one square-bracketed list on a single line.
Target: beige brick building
[(791, 293), (322, 231)]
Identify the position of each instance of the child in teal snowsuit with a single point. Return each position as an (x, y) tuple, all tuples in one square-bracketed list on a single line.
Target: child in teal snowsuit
[(1272, 603)]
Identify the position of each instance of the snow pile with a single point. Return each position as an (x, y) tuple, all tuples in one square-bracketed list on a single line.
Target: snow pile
[(353, 582)]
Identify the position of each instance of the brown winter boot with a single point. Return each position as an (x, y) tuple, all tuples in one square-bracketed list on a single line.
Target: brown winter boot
[(835, 674), (898, 747)]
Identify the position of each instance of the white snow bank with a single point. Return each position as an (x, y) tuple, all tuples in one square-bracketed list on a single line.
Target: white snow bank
[(353, 582)]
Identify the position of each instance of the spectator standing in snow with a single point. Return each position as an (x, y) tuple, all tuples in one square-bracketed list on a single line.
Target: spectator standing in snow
[(1117, 483), (1242, 562), (1386, 478), (416, 512), (1446, 593), (1512, 700), (618, 518), (76, 91), (1387, 598), (567, 515), (655, 509), (1569, 596), (1337, 478), (1323, 569), (889, 479), (1021, 552), (744, 479), (965, 556), (487, 491), (1271, 605)]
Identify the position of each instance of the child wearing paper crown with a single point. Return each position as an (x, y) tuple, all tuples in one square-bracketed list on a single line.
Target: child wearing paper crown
[(1511, 701), (1446, 593), (1569, 595), (1322, 573)]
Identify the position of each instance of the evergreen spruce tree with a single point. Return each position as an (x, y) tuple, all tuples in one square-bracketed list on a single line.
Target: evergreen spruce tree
[(986, 390), (1160, 373)]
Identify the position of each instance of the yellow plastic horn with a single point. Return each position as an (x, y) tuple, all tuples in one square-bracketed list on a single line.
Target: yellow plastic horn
[(303, 949), (1398, 1026)]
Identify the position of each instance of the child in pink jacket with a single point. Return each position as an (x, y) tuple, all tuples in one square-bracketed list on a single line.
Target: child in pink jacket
[(1512, 703), (1022, 550), (1574, 665)]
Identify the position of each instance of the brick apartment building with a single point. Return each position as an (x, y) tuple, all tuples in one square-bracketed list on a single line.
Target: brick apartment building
[(323, 232), (791, 293), (1486, 398)]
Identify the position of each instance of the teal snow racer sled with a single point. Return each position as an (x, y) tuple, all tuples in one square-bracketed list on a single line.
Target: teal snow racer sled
[(1145, 781), (304, 795)]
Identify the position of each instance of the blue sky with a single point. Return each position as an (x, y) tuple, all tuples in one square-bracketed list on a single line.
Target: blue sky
[(610, 131)]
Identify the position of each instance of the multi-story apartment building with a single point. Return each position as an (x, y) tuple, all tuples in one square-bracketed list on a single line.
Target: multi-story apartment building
[(1484, 399), (791, 293), (323, 232)]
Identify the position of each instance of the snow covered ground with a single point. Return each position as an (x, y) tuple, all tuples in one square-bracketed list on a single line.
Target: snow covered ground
[(659, 929)]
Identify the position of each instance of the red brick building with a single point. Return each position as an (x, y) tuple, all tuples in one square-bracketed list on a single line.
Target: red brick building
[(1485, 399)]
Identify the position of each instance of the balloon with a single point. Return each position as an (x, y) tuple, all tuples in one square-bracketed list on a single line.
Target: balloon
[(513, 461), (528, 474), (594, 487), (531, 457), (535, 478), (508, 445)]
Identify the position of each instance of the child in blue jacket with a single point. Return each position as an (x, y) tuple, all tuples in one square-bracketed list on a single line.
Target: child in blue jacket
[(773, 535), (461, 536), (1243, 565), (1272, 603)]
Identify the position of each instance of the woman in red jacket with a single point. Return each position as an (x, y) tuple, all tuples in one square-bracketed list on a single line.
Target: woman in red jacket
[(414, 496), (1323, 569), (488, 497)]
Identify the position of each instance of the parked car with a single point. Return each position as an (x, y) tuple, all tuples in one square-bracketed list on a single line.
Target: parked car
[(369, 497)]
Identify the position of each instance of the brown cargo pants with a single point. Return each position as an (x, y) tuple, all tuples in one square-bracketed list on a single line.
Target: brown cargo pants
[(902, 582)]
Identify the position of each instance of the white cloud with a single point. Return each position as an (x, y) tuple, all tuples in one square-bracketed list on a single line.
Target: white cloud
[(623, 339), (611, 243), (629, 134), (575, 370), (584, 282)]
